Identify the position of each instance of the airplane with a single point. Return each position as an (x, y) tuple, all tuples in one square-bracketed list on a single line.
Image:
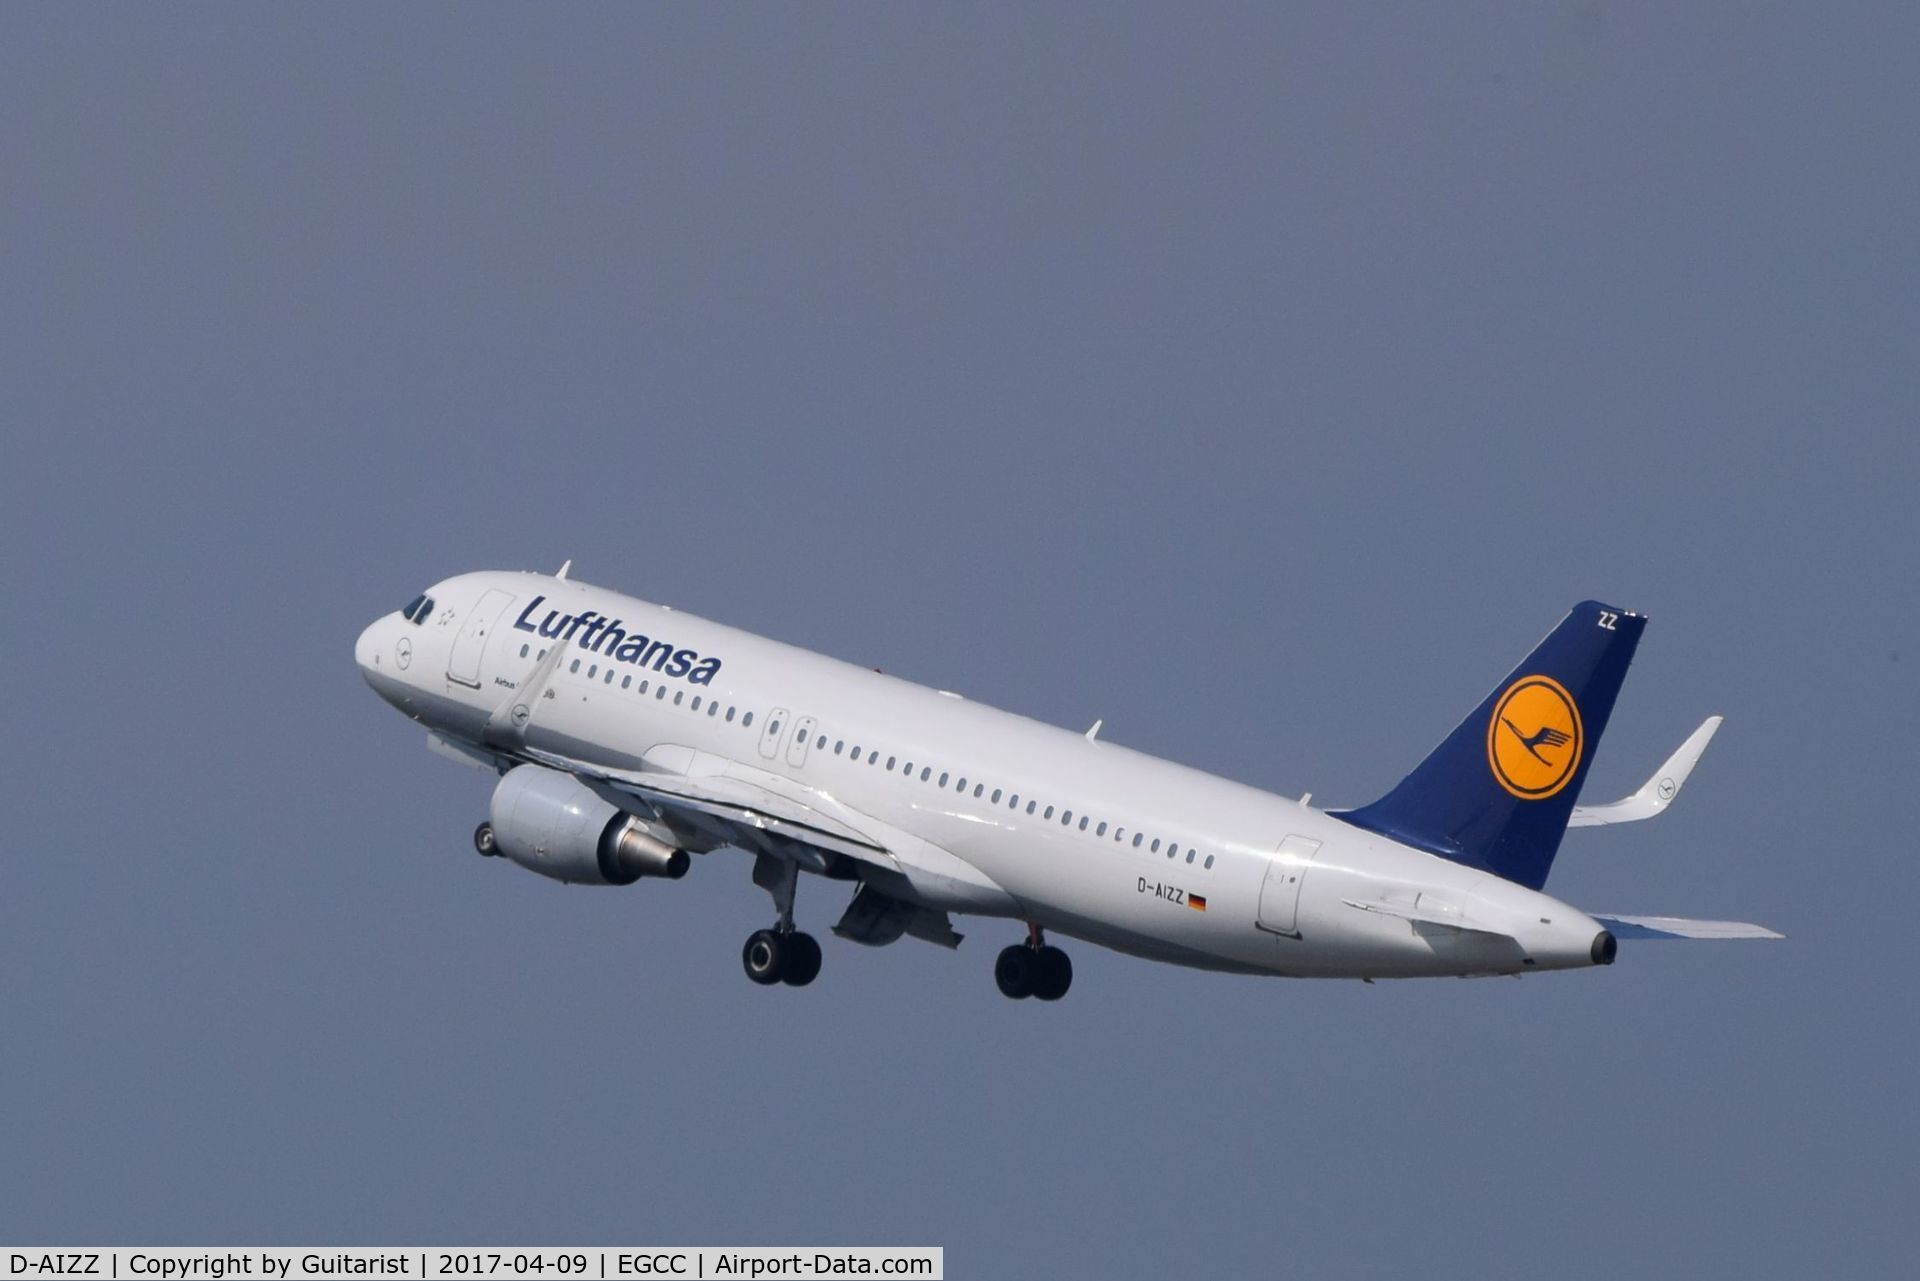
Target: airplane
[(631, 739)]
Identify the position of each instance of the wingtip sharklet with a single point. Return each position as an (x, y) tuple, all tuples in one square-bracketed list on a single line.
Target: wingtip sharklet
[(1657, 792)]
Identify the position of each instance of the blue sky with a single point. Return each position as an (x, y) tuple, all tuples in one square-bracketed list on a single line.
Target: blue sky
[(1261, 379)]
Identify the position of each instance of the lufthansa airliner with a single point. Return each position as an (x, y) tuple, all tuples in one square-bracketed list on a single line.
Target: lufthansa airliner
[(633, 741)]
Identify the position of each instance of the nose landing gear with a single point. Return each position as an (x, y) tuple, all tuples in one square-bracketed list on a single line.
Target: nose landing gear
[(1034, 968)]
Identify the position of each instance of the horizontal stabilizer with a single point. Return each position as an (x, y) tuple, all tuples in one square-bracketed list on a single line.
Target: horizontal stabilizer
[(1657, 792), (1679, 927)]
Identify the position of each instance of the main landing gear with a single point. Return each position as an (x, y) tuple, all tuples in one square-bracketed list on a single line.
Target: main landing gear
[(773, 956), (781, 954), (1033, 968)]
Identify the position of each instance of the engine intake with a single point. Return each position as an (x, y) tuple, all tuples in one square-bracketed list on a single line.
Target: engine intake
[(550, 823)]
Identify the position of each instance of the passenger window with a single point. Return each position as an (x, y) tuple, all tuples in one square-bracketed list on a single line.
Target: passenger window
[(643, 687), (1189, 856), (1066, 818), (543, 653), (1156, 845), (1209, 862), (1048, 814), (839, 746), (696, 702), (890, 761), (575, 667), (730, 712), (609, 679), (1098, 831), (1137, 838), (523, 651), (873, 758), (679, 696), (593, 670), (1083, 822), (926, 772), (713, 708), (943, 778), (995, 798), (774, 729), (961, 786), (626, 682), (748, 720), (822, 744), (1173, 849)]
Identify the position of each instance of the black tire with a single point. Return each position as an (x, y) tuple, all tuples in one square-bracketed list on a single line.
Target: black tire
[(484, 841), (764, 957), (803, 960), (1055, 976), (1015, 971)]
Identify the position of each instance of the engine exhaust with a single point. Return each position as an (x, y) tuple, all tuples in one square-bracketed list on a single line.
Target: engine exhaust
[(629, 851)]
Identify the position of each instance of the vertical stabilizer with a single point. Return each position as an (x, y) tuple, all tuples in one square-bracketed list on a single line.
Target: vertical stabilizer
[(1498, 792)]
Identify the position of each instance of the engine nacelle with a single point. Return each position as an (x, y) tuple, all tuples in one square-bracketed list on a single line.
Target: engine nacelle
[(549, 823)]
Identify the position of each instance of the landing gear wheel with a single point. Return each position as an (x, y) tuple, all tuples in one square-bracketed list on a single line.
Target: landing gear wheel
[(484, 842), (1016, 971), (765, 956), (1055, 974), (803, 960)]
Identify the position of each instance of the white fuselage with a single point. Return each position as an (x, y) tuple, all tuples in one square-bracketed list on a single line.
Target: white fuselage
[(989, 813)]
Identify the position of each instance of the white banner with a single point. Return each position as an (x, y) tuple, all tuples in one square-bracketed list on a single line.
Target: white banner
[(599, 1263)]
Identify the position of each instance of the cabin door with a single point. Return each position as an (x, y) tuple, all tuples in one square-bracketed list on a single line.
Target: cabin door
[(1280, 893), (463, 660)]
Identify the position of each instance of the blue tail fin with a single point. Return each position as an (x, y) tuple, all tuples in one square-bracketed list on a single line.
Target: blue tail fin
[(1497, 793)]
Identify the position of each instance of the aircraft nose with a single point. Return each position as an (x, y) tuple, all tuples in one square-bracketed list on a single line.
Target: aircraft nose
[(366, 650)]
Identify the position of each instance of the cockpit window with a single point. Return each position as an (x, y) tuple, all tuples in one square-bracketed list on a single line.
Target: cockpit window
[(417, 609)]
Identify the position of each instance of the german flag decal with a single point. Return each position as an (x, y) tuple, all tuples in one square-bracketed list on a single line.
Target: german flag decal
[(1196, 902)]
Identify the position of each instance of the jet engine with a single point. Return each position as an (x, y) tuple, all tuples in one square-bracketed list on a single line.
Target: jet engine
[(550, 823)]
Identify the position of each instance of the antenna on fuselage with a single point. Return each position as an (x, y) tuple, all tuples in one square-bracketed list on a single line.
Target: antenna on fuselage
[(562, 573), (1094, 733)]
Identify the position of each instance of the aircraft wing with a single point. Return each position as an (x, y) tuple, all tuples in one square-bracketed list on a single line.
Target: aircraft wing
[(1679, 927), (1657, 792), (765, 814), (908, 884), (742, 814)]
